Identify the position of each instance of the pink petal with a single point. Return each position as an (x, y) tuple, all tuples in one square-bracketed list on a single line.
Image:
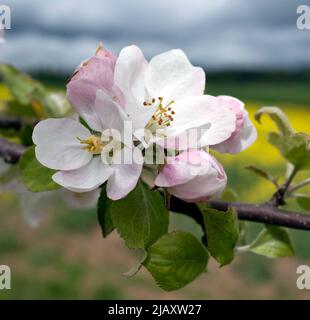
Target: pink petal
[(240, 141), (178, 170), (195, 176), (237, 107), (94, 74)]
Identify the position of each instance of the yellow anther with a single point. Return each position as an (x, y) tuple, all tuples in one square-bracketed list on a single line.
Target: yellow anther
[(93, 144)]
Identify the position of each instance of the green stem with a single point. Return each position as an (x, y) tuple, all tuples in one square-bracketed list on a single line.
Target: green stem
[(278, 199), (298, 186), (289, 180)]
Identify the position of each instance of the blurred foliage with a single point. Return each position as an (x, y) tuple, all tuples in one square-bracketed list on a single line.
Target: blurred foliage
[(25, 96)]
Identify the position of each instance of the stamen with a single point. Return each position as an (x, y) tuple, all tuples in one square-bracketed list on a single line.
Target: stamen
[(162, 115), (93, 144)]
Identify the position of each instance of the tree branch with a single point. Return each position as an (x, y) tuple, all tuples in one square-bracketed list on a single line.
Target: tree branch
[(10, 151), (264, 213)]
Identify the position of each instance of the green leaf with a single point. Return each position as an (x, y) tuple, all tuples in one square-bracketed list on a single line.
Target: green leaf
[(140, 218), (272, 242), (32, 94), (104, 213), (229, 195), (21, 110), (277, 116), (262, 173), (182, 222), (295, 148), (222, 233), (136, 268), (20, 84), (25, 134), (35, 176), (176, 259), (304, 202), (276, 139)]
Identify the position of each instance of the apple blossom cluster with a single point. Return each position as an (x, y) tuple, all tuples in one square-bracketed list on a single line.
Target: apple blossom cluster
[(139, 114)]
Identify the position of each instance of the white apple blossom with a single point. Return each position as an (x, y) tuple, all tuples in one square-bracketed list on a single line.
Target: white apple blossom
[(164, 99), (86, 159), (164, 95)]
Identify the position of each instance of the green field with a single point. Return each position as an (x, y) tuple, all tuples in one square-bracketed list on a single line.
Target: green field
[(67, 258)]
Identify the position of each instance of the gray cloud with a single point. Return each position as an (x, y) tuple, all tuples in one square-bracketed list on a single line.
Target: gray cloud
[(216, 33)]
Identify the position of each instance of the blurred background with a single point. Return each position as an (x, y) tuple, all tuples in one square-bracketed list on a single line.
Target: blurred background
[(249, 49)]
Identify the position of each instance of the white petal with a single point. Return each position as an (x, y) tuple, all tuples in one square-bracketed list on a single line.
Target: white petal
[(245, 138), (124, 179), (129, 77), (140, 120), (84, 179), (172, 76), (58, 146), (109, 112), (215, 122)]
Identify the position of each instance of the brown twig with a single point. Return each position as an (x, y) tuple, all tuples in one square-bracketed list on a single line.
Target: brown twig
[(264, 213)]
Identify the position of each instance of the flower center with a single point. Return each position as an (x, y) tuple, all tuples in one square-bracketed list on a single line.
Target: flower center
[(163, 115), (106, 146), (93, 144)]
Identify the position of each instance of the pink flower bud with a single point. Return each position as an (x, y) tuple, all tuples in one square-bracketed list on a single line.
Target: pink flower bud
[(91, 75), (194, 176), (90, 69)]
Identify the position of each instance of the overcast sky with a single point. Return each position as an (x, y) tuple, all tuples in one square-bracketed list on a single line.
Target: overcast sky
[(218, 34)]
